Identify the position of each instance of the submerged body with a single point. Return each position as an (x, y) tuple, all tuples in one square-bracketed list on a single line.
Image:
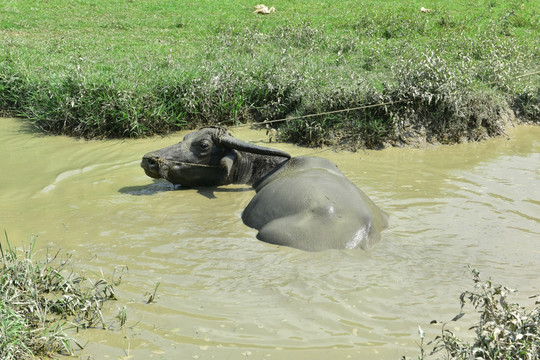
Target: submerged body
[(303, 202), (309, 204)]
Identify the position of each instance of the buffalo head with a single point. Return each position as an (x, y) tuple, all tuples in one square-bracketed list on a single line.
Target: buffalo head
[(206, 157)]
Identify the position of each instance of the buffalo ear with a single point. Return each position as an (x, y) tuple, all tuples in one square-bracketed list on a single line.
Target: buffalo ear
[(226, 164)]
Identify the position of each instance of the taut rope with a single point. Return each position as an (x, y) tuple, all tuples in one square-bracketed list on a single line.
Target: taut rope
[(162, 161), (322, 113), (354, 108)]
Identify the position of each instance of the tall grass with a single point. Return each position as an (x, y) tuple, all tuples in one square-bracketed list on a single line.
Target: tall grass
[(139, 68), (41, 300)]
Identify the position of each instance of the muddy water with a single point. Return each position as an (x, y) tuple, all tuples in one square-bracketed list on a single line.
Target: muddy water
[(225, 295)]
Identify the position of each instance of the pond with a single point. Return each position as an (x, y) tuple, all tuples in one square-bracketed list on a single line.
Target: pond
[(223, 294)]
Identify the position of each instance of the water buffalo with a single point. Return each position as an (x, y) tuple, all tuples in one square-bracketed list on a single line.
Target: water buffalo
[(301, 202)]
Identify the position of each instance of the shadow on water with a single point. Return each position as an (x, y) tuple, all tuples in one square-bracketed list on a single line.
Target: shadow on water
[(160, 185), (150, 189), (209, 192), (27, 127)]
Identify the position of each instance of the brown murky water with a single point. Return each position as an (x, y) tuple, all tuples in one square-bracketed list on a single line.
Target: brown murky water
[(225, 295)]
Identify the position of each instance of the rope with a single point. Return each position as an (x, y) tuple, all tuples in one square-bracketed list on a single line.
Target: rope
[(349, 109), (517, 77), (322, 113), (161, 162), (529, 74)]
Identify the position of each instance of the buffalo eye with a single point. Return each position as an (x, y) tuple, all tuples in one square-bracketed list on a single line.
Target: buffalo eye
[(204, 145)]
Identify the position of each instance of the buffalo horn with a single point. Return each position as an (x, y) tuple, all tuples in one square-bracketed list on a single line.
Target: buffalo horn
[(233, 143)]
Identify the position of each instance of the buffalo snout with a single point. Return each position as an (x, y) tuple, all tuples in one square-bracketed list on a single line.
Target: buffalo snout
[(150, 166)]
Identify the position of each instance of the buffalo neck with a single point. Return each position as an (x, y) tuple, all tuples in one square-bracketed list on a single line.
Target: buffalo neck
[(250, 168)]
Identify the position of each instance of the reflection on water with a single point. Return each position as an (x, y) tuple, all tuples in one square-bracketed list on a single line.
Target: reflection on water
[(223, 294)]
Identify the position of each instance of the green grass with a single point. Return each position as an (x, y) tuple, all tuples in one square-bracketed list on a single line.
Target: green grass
[(97, 68), (40, 300)]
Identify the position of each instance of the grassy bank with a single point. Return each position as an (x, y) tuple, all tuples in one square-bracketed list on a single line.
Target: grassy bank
[(40, 300), (97, 68)]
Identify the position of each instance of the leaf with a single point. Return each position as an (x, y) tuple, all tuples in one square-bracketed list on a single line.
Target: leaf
[(496, 332), (421, 332), (458, 316)]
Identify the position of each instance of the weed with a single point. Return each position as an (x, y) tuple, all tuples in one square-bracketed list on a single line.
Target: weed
[(504, 331), (40, 301), (152, 296), (122, 316), (443, 96)]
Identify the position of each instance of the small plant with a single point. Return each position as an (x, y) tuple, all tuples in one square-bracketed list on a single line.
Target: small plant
[(122, 315), (152, 296), (40, 301), (504, 331)]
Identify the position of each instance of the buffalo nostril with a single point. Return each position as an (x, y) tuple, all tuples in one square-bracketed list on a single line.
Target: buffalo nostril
[(148, 162)]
